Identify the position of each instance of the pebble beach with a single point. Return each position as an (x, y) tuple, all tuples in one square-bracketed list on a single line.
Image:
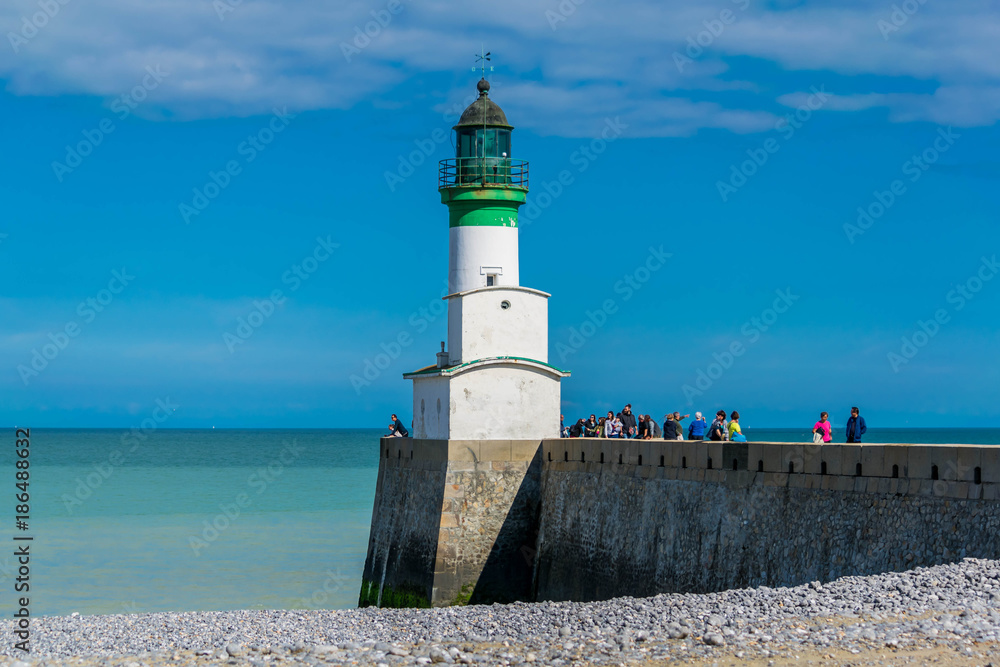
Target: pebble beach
[(948, 614)]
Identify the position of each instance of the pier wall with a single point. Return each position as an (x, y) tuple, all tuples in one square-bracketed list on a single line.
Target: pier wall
[(454, 522), (588, 519), (709, 516)]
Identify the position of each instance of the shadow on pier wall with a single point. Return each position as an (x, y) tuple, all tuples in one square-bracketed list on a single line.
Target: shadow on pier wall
[(509, 569)]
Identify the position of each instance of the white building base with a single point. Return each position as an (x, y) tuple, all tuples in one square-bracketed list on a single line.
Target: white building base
[(500, 398)]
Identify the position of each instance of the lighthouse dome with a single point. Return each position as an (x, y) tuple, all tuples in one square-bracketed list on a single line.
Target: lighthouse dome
[(473, 115)]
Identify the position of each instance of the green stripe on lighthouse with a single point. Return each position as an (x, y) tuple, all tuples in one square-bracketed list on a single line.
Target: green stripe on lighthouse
[(482, 207)]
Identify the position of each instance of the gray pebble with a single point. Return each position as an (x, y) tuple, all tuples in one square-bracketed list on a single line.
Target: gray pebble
[(438, 655)]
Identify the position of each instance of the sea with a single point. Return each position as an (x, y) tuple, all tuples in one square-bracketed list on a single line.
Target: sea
[(127, 521)]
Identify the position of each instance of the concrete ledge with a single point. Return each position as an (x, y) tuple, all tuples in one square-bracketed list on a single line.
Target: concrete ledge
[(834, 459), (896, 459), (991, 465), (792, 459), (873, 460), (919, 461), (772, 455), (850, 457), (976, 467)]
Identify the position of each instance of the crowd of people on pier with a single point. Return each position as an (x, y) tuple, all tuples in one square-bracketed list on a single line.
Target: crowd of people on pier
[(625, 424)]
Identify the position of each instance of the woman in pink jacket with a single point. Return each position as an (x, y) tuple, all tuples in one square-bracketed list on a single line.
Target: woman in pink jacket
[(823, 429)]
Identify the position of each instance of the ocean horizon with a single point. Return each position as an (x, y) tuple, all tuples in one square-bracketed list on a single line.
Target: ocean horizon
[(223, 519)]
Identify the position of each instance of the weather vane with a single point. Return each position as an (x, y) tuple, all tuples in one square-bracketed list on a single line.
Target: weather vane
[(481, 61)]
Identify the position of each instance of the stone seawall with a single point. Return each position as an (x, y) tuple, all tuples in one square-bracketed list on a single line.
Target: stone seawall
[(584, 519), (707, 516)]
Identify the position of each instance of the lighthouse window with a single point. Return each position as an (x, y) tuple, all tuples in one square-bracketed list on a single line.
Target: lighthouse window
[(491, 279), (469, 143), (503, 139), (504, 305)]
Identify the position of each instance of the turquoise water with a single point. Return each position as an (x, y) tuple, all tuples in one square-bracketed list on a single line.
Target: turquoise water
[(132, 532)]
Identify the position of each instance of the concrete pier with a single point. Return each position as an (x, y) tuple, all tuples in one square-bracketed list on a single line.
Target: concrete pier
[(584, 519)]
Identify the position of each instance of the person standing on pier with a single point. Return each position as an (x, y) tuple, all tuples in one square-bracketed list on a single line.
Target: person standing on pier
[(697, 428), (670, 428), (856, 426), (654, 427), (823, 429), (629, 429), (609, 425)]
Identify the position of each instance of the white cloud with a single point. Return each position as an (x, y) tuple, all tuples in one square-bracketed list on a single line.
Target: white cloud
[(964, 106), (603, 60)]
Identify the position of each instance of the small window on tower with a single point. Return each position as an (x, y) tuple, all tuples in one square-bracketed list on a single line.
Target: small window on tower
[(491, 279)]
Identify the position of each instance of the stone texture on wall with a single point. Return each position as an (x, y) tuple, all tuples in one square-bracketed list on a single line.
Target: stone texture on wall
[(489, 522), (640, 528), (454, 521)]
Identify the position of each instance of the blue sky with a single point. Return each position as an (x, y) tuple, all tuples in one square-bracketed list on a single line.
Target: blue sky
[(330, 141)]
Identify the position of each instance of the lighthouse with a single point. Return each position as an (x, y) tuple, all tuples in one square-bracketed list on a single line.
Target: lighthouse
[(492, 380)]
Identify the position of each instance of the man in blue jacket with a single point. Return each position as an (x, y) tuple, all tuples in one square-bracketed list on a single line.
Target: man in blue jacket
[(856, 426)]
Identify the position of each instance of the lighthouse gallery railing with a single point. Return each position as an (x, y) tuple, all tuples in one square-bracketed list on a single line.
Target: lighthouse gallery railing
[(497, 172)]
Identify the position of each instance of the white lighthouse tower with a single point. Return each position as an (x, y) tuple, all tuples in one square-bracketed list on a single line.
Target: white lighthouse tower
[(493, 382)]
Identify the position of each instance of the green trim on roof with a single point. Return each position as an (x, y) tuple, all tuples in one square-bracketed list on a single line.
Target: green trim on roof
[(450, 369)]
